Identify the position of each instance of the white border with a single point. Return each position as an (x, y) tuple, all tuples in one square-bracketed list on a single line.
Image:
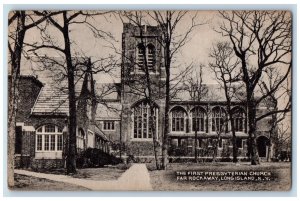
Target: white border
[(217, 3)]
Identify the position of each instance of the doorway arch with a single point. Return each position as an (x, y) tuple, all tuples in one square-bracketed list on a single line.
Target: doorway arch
[(262, 143)]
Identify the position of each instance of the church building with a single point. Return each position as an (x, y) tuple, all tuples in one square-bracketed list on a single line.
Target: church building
[(121, 123)]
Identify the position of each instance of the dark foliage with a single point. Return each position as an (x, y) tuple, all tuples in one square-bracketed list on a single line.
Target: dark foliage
[(93, 157)]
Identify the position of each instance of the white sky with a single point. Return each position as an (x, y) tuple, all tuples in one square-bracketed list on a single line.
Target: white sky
[(196, 50)]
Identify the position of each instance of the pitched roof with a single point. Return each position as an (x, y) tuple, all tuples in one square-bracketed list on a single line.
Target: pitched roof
[(109, 106), (94, 128), (51, 101), (108, 111), (53, 97), (108, 91), (210, 92)]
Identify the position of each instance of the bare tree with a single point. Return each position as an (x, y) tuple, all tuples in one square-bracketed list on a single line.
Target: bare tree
[(259, 39), (19, 23), (225, 67), (282, 140), (137, 18), (197, 90), (141, 19), (280, 95), (172, 42), (63, 24)]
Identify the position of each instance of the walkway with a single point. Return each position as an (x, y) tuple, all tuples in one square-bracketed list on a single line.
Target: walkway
[(135, 178)]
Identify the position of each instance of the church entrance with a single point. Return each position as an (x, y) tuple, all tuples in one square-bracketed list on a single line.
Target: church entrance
[(262, 143)]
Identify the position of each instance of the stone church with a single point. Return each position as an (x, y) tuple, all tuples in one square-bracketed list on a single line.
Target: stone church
[(121, 120)]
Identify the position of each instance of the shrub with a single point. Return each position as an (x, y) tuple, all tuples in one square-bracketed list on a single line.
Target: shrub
[(130, 159), (93, 157)]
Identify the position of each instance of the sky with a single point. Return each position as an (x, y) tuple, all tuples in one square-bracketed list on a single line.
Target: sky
[(84, 42), (195, 51)]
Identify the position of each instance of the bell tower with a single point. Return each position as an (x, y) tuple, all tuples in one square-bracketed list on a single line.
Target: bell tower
[(141, 49), (141, 52)]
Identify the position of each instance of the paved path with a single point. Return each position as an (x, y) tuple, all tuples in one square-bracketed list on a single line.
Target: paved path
[(135, 178)]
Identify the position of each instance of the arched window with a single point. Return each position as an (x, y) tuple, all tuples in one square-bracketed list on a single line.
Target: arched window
[(178, 117), (140, 56), (238, 119), (80, 139), (198, 119), (150, 56), (219, 120), (49, 138), (144, 126)]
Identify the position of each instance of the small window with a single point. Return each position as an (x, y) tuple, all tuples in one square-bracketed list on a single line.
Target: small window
[(221, 143), (18, 140), (239, 143), (191, 142), (244, 142), (210, 142), (108, 125)]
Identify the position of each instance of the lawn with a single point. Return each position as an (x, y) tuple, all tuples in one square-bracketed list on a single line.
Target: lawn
[(102, 174), (169, 180), (26, 183)]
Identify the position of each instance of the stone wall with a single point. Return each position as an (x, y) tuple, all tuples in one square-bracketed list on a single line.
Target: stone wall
[(40, 164)]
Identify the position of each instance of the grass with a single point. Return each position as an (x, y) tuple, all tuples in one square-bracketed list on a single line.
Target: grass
[(166, 180), (111, 172), (27, 183), (102, 174)]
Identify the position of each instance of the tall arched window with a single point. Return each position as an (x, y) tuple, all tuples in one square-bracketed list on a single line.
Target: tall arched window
[(238, 119), (198, 119), (151, 56), (178, 117), (219, 120), (49, 138), (144, 126)]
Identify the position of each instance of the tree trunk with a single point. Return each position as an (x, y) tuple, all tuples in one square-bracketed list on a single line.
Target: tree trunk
[(196, 151), (272, 132), (14, 95), (252, 133), (153, 129), (12, 108), (196, 138), (234, 146), (71, 155), (166, 125)]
